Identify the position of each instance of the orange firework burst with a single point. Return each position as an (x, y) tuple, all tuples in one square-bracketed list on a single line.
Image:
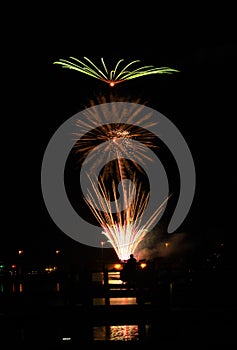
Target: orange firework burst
[(118, 136)]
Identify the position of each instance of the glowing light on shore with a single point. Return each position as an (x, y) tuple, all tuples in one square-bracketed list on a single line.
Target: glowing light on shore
[(115, 76)]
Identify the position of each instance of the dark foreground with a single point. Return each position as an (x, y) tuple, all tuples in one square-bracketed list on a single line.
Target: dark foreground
[(71, 328), (193, 317)]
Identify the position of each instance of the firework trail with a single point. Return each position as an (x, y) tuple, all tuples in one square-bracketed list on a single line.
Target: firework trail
[(116, 75), (123, 229)]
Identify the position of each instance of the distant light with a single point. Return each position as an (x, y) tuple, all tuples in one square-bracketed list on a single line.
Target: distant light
[(167, 244), (33, 272), (66, 338), (142, 265), (20, 252), (13, 266), (50, 268), (58, 251)]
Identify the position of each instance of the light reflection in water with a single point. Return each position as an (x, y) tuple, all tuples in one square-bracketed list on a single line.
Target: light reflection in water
[(130, 333), (118, 332), (15, 287), (116, 301)]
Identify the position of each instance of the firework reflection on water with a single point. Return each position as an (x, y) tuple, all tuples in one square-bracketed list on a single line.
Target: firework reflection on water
[(116, 333)]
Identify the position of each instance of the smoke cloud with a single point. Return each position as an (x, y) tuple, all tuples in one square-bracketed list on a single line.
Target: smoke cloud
[(158, 244)]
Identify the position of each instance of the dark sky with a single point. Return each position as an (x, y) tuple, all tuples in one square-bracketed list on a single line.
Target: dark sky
[(200, 101)]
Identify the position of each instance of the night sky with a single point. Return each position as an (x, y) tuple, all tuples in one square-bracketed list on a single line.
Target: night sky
[(199, 100)]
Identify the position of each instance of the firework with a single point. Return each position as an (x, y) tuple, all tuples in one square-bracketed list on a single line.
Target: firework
[(119, 137), (121, 150), (122, 223), (115, 76)]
